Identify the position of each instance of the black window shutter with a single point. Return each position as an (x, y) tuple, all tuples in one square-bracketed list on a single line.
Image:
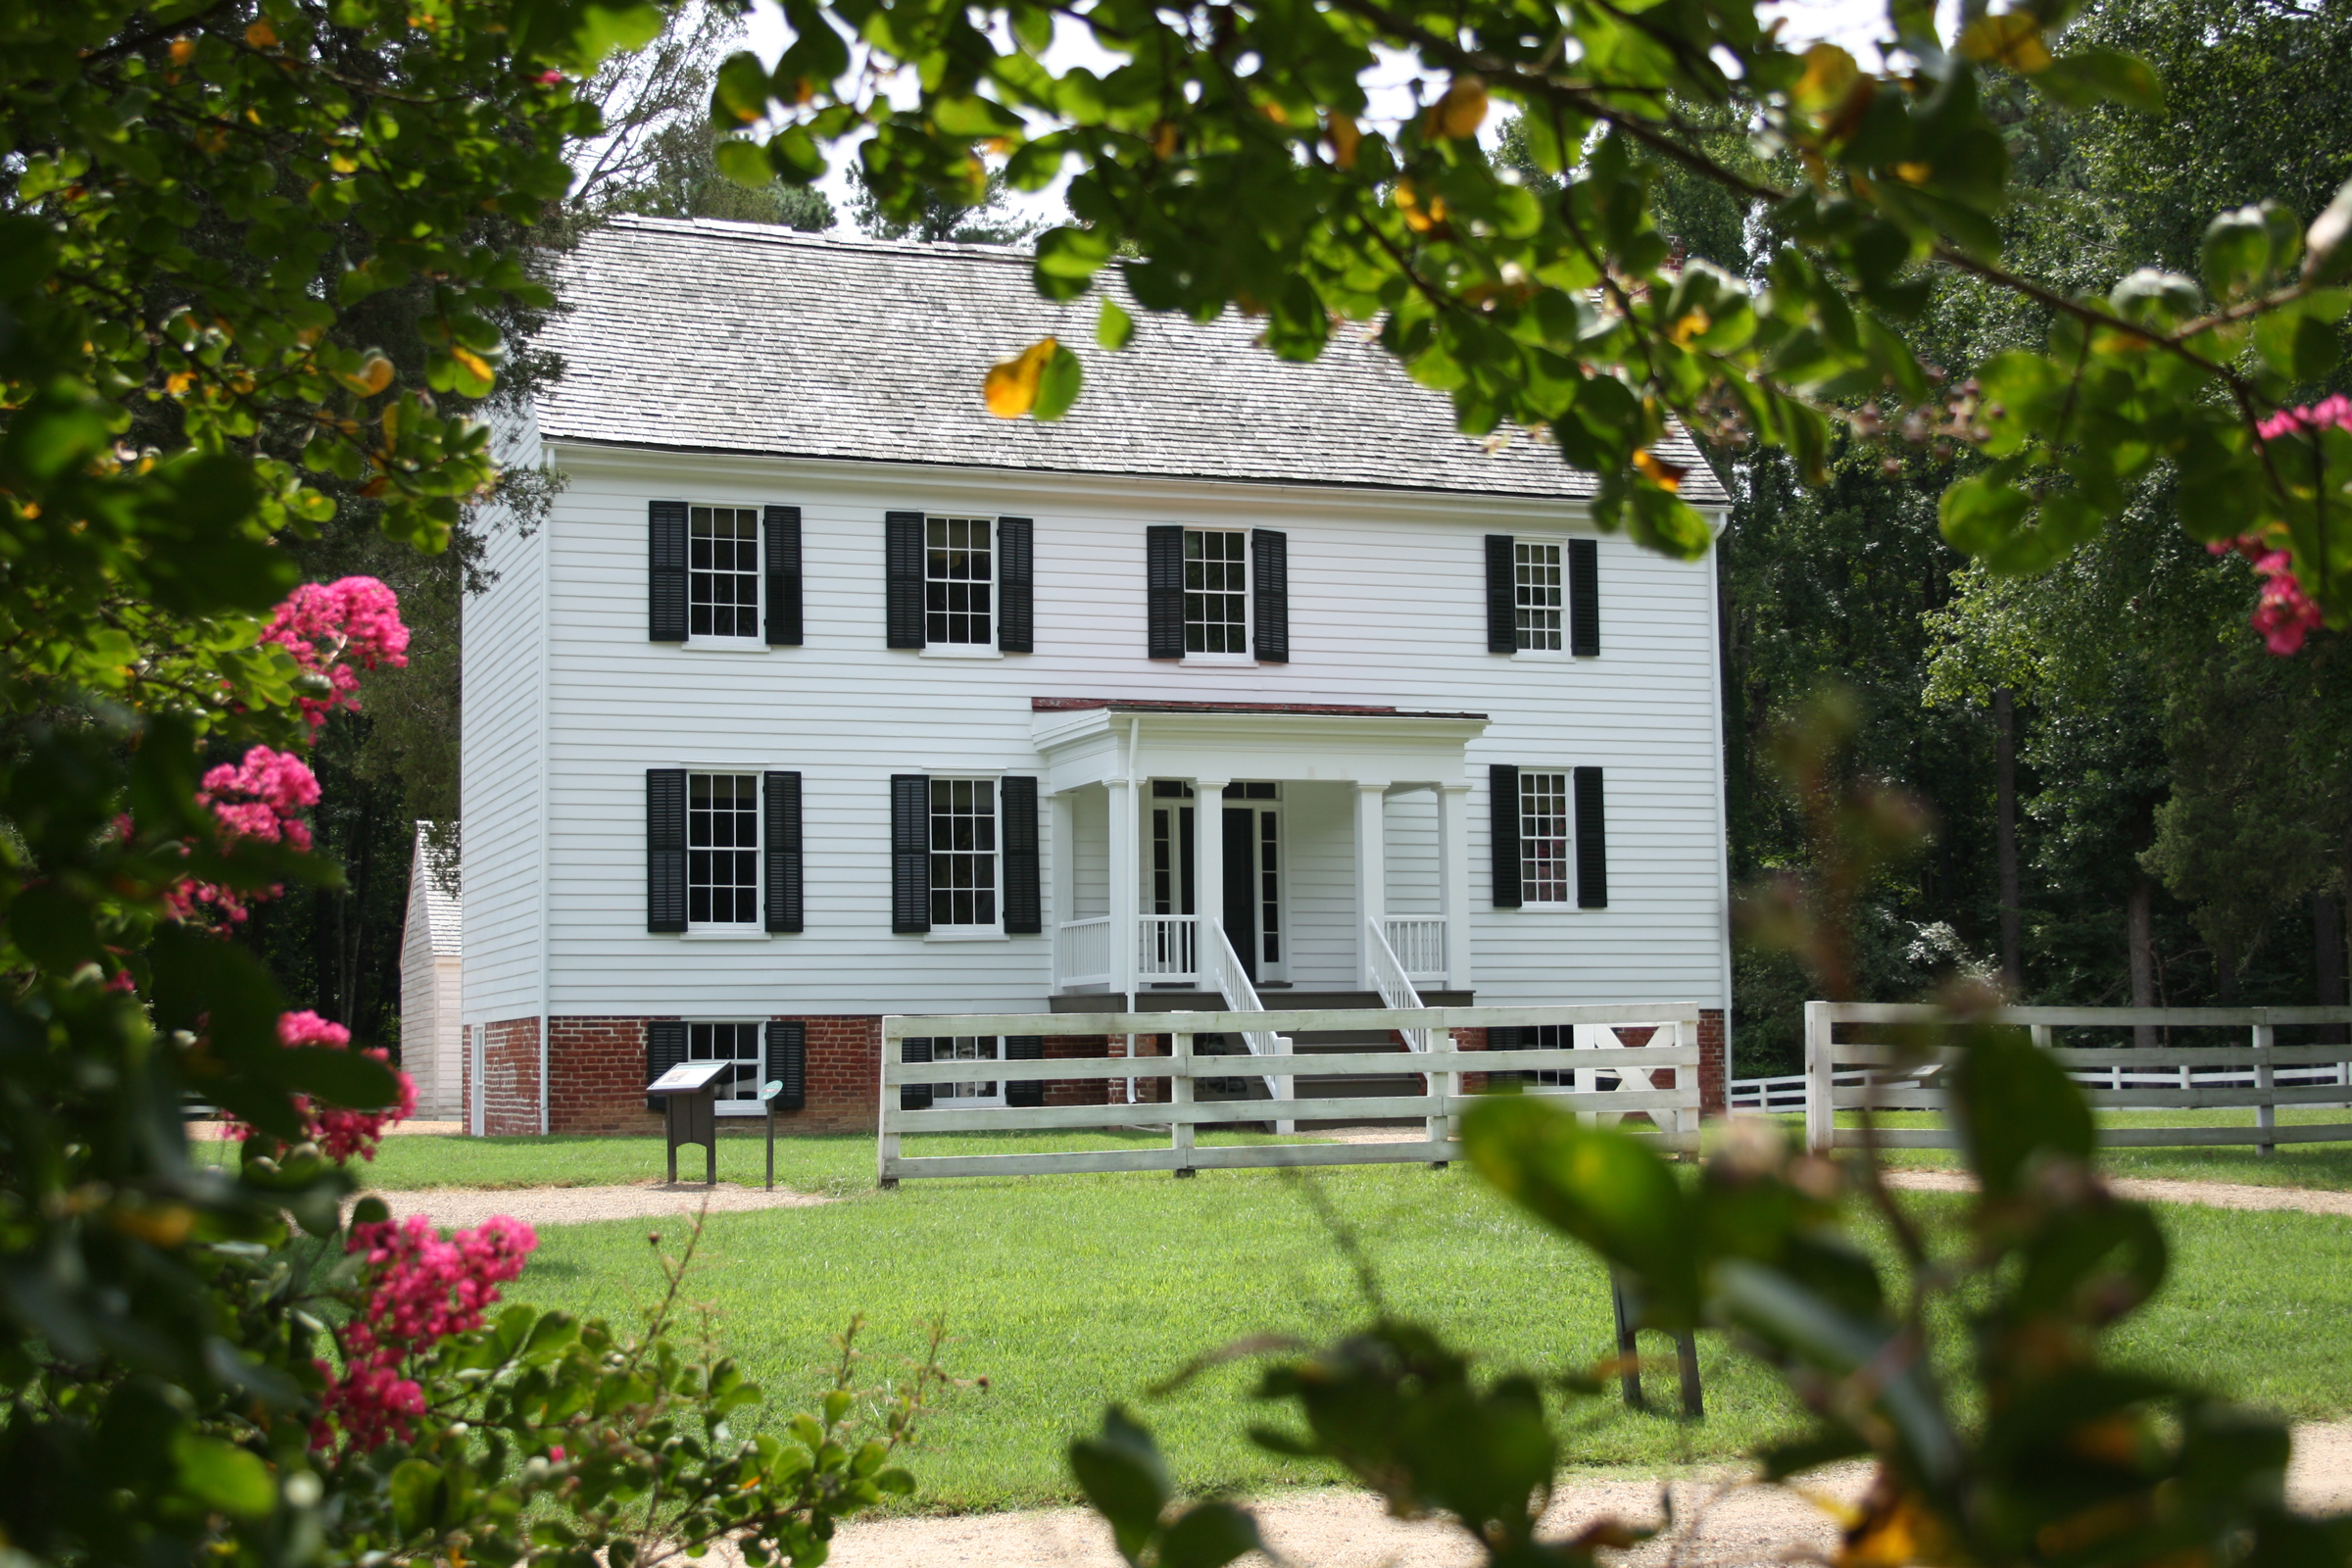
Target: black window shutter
[(665, 1049), (666, 849), (1270, 589), (1583, 597), (666, 578), (1502, 807), (783, 545), (1016, 585), (1026, 1048), (788, 1063), (780, 797), (1592, 843), (910, 854), (1163, 561), (915, 1096), (1502, 602), (902, 548), (1024, 908)]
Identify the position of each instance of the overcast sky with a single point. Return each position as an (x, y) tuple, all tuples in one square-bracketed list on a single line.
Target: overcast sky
[(1854, 24)]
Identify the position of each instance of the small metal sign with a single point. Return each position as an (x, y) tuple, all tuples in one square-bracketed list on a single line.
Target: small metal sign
[(688, 1076)]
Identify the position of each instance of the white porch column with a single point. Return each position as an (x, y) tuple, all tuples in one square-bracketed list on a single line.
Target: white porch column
[(1453, 880), (1126, 895), (1371, 869), (1061, 905), (1208, 875)]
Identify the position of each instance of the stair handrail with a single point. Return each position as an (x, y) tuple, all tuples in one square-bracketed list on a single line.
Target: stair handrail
[(1233, 982), (1395, 985)]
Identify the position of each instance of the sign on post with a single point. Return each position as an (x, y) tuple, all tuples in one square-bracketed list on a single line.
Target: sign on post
[(689, 1095)]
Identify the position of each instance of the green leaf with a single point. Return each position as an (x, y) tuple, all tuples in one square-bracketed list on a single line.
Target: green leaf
[(412, 1488), (2092, 76), (1122, 1475), (2296, 344), (739, 94), (746, 163), (2236, 254), (1598, 1185), (1058, 384), (224, 1477), (1115, 328), (2327, 258), (345, 1078), (1209, 1536), (609, 29), (2012, 1103)]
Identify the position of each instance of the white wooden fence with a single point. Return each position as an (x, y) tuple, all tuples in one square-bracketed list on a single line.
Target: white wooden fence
[(2260, 1075), (1674, 1046)]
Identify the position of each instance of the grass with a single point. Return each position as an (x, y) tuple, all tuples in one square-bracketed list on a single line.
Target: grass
[(2326, 1167), (1067, 1293)]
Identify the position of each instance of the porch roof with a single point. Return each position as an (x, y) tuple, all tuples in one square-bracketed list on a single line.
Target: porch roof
[(1097, 740)]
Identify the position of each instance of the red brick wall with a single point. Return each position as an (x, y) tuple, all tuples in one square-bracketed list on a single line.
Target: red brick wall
[(1080, 1091), (597, 1066), (509, 1078), (1714, 1072), (845, 1077)]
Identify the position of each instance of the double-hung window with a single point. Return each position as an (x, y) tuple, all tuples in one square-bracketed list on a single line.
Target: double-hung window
[(722, 573), (959, 582), (1216, 590), (1535, 595), (964, 862), (722, 850), (737, 1044), (972, 1092), (1543, 836)]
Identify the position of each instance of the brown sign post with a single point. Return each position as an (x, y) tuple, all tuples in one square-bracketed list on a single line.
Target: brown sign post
[(689, 1095)]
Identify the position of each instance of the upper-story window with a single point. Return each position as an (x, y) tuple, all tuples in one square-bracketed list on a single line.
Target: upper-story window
[(722, 573), (1216, 591), (1542, 837), (963, 854), (959, 582), (722, 848), (1535, 595)]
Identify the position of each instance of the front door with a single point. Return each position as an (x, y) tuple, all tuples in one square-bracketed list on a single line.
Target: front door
[(1252, 901)]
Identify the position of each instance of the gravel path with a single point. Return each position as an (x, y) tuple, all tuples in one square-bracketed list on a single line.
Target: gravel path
[(2161, 1189), (1723, 1524), (459, 1207)]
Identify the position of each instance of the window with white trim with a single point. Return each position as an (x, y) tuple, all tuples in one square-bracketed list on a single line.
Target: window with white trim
[(967, 1093), (1542, 837), (964, 863), (736, 1043), (958, 581), (722, 573), (722, 848), (1537, 587), (1216, 590)]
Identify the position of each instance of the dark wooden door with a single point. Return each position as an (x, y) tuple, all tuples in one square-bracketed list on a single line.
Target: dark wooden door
[(1240, 886)]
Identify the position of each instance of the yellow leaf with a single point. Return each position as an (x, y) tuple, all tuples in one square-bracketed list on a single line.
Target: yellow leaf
[(1344, 138), (1665, 475), (1163, 139), (372, 377), (1012, 387), (1830, 72), (473, 361), (262, 35), (1914, 173), (2013, 39), (180, 381), (1462, 110), (183, 50), (1689, 326), (391, 422)]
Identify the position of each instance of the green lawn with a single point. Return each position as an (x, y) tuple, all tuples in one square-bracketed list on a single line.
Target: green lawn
[(1068, 1292), (2326, 1166)]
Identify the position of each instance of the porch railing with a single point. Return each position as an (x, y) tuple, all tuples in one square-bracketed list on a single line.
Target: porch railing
[(1082, 952), (1396, 988), (1419, 944), (1227, 977), (1168, 948)]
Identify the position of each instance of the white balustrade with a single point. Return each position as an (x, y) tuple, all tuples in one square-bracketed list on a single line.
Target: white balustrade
[(1389, 979), (1082, 952), (1227, 977), (1419, 944), (1168, 948)]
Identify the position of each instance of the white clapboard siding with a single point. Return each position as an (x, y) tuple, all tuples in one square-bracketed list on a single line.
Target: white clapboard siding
[(1387, 607), (503, 739), (1409, 853)]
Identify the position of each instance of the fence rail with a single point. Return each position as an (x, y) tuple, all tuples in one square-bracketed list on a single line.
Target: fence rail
[(2260, 1075), (1674, 1048)]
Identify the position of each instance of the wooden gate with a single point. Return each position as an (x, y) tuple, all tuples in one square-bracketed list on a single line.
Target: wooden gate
[(1673, 1048)]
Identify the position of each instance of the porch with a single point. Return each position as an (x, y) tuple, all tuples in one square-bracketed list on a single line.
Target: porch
[(1205, 855)]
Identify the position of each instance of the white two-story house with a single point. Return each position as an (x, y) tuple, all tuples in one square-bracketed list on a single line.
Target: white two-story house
[(819, 693)]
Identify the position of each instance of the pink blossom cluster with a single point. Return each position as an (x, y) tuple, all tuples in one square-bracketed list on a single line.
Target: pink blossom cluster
[(339, 1134), (330, 626), (274, 786), (2283, 613), (421, 1288), (2336, 411)]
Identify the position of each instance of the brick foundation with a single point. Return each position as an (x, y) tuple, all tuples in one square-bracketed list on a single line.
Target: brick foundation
[(509, 1087), (1713, 1086)]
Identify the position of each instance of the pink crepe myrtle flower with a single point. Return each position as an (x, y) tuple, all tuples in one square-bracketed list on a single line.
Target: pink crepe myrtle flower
[(421, 1287), (2283, 613), (258, 798), (329, 627), (340, 1134)]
